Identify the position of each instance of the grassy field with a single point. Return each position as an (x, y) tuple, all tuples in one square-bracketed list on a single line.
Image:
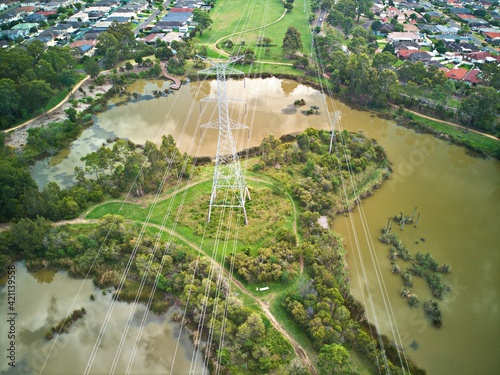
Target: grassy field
[(191, 206), (236, 16), (477, 141)]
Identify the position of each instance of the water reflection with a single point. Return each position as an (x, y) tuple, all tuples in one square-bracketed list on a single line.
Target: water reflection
[(457, 194), (40, 305)]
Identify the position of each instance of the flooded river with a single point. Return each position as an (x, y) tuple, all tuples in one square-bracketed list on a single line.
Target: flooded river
[(44, 298), (457, 194)]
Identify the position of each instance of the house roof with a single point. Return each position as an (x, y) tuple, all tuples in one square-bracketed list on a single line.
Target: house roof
[(478, 55), (407, 36), (405, 53), (184, 10), (466, 16), (457, 74), (26, 9), (179, 16), (492, 35), (80, 43), (472, 76), (46, 13)]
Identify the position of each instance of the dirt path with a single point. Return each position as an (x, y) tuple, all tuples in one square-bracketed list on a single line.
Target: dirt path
[(53, 109), (301, 353), (449, 123)]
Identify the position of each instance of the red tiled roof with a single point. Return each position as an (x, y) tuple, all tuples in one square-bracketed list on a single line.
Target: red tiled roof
[(46, 13), (26, 9), (190, 10), (466, 16), (492, 35), (457, 74), (478, 55), (406, 53), (472, 76)]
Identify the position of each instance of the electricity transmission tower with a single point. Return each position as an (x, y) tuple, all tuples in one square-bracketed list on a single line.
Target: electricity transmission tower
[(229, 188)]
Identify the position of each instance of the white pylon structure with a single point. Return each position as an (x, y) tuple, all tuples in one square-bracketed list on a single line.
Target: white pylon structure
[(229, 188)]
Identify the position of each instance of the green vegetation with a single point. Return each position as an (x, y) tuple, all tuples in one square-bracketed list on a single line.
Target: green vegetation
[(64, 325), (471, 140), (422, 265), (33, 80), (227, 19)]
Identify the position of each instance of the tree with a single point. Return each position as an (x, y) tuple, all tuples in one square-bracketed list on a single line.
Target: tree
[(266, 41), (129, 66), (384, 60), (138, 60), (35, 94), (203, 19), (28, 235), (347, 25), (8, 97), (375, 26), (333, 359), (288, 7), (91, 67), (362, 7), (291, 42), (481, 107)]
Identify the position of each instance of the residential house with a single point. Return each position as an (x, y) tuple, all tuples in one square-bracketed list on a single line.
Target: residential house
[(434, 15), (25, 26), (189, 3), (8, 17), (427, 27), (152, 38), (405, 54), (452, 37), (410, 28), (377, 8), (458, 11), (447, 30), (461, 47), (472, 77), (406, 46), (15, 34), (422, 56), (84, 47), (182, 10), (47, 37), (479, 57), (95, 15), (403, 37), (170, 37), (36, 17), (112, 18), (456, 74), (80, 17), (386, 28)]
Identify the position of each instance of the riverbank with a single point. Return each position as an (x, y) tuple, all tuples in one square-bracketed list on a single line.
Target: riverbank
[(18, 136)]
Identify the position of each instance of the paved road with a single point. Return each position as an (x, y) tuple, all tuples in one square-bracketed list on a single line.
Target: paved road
[(321, 18)]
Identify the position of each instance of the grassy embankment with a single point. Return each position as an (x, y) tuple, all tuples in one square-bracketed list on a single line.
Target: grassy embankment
[(471, 140)]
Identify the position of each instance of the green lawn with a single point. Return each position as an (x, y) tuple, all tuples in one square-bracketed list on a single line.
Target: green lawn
[(191, 207), (477, 141), (230, 16)]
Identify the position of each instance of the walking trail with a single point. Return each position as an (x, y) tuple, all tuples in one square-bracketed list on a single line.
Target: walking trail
[(449, 123)]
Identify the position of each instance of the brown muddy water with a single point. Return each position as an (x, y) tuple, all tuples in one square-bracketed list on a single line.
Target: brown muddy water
[(457, 194), (44, 298)]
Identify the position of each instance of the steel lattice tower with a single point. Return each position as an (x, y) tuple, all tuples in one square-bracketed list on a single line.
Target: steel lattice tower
[(229, 188)]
